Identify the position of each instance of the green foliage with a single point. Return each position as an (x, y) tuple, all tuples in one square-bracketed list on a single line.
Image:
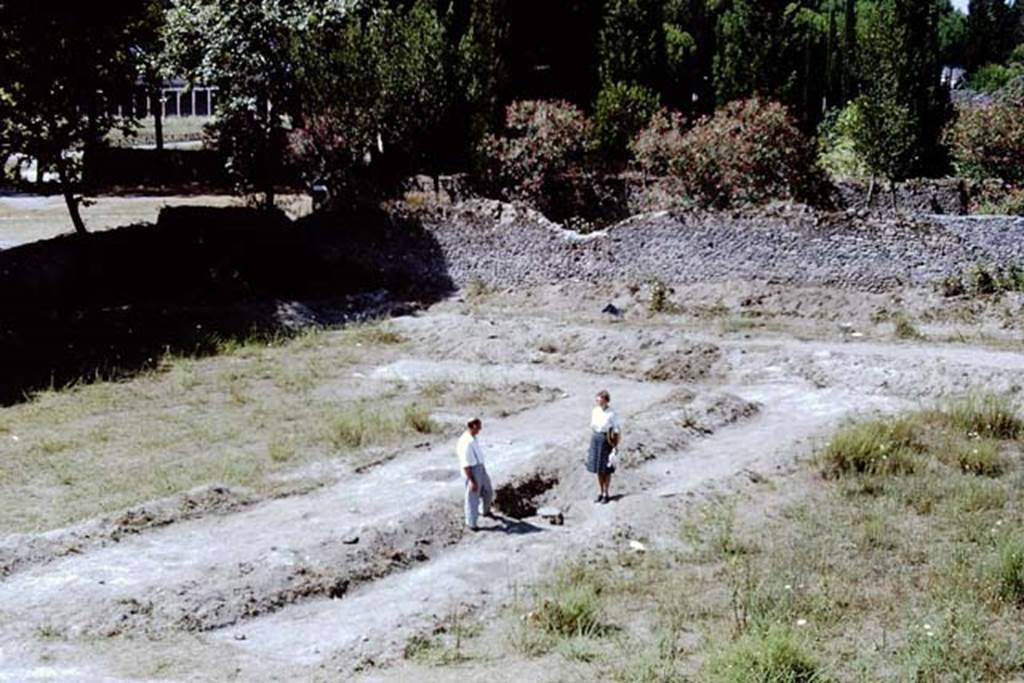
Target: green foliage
[(482, 68), (1008, 571), (953, 36), (884, 446), (571, 605), (541, 140), (988, 141), (837, 152), (749, 152), (991, 78), (630, 42), (373, 91), (988, 416), (246, 49), (882, 132), (904, 327), (660, 142), (620, 112), (904, 107), (774, 656), (59, 66)]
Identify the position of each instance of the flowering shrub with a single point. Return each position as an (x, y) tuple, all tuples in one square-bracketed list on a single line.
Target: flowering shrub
[(620, 112), (542, 140), (988, 141), (748, 152), (657, 145)]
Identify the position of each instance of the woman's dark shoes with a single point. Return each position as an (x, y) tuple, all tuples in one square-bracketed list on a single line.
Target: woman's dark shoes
[(599, 499), (604, 499)]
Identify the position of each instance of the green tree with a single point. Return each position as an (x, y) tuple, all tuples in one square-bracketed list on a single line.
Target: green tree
[(952, 34), (993, 29), (481, 68), (883, 132), (372, 87), (900, 65), (620, 112), (632, 43), (246, 49), (62, 70)]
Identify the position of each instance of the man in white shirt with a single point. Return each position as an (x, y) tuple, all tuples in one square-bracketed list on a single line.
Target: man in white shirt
[(478, 484)]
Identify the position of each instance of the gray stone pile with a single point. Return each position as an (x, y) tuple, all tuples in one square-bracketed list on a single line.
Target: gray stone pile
[(505, 245)]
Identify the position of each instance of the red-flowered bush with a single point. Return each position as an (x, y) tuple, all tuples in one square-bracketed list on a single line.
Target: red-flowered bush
[(660, 142), (542, 140), (987, 141), (748, 152)]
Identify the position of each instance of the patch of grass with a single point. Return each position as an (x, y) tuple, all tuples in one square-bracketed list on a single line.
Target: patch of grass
[(418, 418), (372, 334), (987, 415), (659, 301), (774, 656), (904, 328), (48, 632), (281, 449), (445, 647), (476, 289), (979, 456), (1008, 570), (983, 281), (882, 446), (567, 607)]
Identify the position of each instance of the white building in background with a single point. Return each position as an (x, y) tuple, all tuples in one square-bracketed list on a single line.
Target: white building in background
[(953, 77), (177, 99)]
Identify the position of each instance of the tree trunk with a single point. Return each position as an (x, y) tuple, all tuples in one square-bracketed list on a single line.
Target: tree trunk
[(157, 103), (265, 169), (70, 199), (892, 190), (871, 192)]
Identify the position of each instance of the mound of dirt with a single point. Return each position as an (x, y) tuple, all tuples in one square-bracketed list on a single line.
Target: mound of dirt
[(19, 551), (689, 364)]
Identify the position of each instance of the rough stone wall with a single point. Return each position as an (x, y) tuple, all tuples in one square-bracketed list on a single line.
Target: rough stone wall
[(507, 245)]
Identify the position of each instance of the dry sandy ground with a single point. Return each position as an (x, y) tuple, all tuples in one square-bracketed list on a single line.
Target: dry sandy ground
[(28, 218), (332, 583)]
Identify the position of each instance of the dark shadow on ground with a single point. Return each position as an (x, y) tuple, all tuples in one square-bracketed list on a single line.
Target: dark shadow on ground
[(511, 525), (110, 304)]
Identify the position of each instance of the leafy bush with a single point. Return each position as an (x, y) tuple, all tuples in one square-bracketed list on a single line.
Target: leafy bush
[(620, 112), (542, 140), (837, 152), (992, 77), (988, 141), (660, 142), (749, 152), (1003, 201)]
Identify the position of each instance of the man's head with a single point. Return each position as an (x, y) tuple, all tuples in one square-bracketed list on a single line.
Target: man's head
[(474, 426), (602, 398)]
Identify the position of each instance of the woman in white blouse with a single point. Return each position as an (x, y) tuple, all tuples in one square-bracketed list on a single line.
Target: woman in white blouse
[(605, 428)]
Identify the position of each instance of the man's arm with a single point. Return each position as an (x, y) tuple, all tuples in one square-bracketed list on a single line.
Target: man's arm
[(468, 471)]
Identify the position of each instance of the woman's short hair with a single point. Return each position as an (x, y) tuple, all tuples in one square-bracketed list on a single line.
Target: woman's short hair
[(605, 395), (475, 422)]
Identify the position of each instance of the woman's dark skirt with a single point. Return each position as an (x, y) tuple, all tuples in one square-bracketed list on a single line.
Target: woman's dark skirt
[(597, 456)]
